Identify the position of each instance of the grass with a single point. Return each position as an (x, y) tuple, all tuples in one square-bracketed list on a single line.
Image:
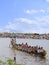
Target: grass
[(9, 62)]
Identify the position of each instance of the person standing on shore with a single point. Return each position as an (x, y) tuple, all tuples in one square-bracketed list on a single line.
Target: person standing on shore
[(15, 59)]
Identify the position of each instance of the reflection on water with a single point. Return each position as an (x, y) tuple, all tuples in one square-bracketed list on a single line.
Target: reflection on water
[(22, 57), (28, 59)]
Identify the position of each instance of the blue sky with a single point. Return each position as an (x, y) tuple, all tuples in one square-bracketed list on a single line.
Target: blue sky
[(26, 16)]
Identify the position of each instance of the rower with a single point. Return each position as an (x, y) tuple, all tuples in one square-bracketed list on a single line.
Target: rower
[(40, 50), (26, 44)]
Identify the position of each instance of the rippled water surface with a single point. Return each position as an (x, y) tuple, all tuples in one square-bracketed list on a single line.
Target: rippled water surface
[(22, 57)]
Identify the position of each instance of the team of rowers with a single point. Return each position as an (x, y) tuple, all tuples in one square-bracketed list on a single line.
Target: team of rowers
[(33, 49), (30, 49)]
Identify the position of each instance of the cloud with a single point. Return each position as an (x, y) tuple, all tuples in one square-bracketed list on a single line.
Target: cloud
[(31, 11), (39, 24), (11, 25), (4, 30), (47, 10), (42, 11), (20, 25), (47, 0), (34, 11), (36, 25), (25, 20)]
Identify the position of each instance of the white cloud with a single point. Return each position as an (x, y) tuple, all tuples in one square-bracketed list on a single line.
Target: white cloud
[(4, 30), (11, 26), (38, 24), (47, 0), (42, 11), (31, 11), (25, 20), (1, 30), (47, 10), (34, 11)]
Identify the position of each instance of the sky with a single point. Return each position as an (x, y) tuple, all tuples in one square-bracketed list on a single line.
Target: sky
[(24, 16)]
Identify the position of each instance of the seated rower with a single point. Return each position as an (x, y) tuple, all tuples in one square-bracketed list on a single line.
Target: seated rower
[(12, 41), (40, 50), (26, 45)]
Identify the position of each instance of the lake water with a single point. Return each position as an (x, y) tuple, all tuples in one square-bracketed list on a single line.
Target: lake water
[(22, 57)]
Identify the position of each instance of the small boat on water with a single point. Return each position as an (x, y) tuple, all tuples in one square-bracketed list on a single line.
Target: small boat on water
[(29, 49)]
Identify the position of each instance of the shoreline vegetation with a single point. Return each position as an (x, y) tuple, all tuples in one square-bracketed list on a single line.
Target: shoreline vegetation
[(25, 35), (9, 62)]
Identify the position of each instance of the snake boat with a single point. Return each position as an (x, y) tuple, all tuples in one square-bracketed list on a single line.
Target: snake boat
[(29, 49)]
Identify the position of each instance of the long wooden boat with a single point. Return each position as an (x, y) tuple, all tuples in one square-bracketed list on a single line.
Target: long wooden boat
[(30, 49)]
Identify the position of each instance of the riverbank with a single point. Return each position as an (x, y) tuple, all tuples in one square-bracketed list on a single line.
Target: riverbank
[(25, 35), (8, 62)]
